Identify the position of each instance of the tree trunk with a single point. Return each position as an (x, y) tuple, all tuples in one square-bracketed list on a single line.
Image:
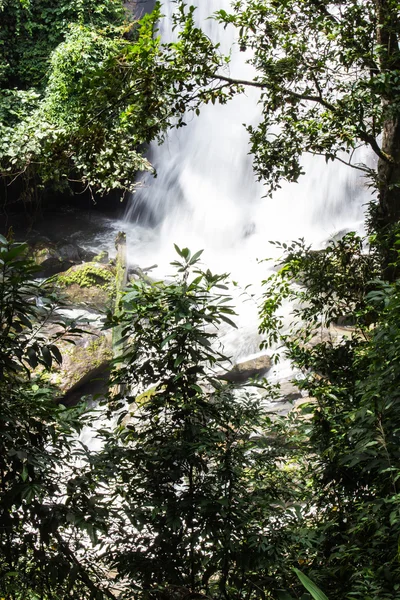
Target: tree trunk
[(389, 174), (387, 38)]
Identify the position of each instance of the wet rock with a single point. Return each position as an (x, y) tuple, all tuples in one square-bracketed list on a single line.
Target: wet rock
[(53, 258), (249, 369), (84, 367), (69, 252), (75, 254), (288, 391), (346, 321), (334, 334), (48, 258), (90, 284)]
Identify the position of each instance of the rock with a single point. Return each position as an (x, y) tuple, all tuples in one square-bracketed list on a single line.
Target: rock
[(48, 258), (253, 368), (95, 383), (69, 252), (345, 321), (288, 391), (90, 284), (53, 258), (102, 257), (84, 367), (333, 334), (76, 254)]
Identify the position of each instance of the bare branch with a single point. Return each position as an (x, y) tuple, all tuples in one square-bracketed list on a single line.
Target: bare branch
[(260, 85)]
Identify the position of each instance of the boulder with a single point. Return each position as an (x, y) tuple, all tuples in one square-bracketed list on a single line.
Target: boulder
[(249, 369), (53, 258), (84, 367), (48, 258), (69, 252), (89, 284)]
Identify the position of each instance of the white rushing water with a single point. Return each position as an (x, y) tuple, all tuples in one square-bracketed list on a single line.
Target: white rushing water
[(206, 197)]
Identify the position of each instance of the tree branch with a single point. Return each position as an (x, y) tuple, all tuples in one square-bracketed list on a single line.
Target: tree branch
[(359, 167), (371, 141), (364, 136), (82, 574), (260, 85)]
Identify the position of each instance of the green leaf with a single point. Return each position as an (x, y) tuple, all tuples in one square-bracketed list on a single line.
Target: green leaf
[(47, 357), (196, 257), (310, 586), (228, 320), (179, 360), (32, 357), (178, 250), (56, 353), (168, 339)]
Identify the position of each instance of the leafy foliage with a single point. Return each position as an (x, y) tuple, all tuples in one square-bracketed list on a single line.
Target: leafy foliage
[(193, 471), (333, 102), (37, 449), (109, 88), (30, 31), (351, 378)]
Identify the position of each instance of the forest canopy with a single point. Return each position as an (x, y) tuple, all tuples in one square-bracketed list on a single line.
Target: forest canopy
[(85, 88)]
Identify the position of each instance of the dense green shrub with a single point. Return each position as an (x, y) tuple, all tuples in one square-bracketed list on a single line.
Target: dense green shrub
[(39, 533), (352, 378)]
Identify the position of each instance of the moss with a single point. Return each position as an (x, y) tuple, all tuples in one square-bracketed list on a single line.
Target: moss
[(91, 284), (89, 275), (101, 257), (144, 397)]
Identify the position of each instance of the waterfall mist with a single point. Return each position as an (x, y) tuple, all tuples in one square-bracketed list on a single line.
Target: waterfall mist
[(206, 196)]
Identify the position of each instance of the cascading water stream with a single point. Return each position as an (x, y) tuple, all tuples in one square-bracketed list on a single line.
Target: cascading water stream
[(206, 197)]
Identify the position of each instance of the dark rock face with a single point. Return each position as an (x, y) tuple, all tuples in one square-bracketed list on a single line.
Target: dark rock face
[(139, 7), (69, 252), (288, 391), (49, 259), (53, 258), (249, 369), (85, 364)]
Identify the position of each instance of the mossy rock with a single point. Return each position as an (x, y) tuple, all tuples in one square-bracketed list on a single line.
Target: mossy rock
[(90, 284), (56, 257), (82, 361)]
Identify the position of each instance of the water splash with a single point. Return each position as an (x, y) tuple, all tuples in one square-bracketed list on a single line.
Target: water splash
[(206, 195)]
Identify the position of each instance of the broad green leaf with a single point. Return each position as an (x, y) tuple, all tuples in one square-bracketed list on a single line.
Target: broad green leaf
[(310, 586)]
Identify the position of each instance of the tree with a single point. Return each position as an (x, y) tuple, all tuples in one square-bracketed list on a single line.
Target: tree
[(49, 130), (104, 87), (328, 77), (352, 379), (40, 535), (327, 73), (30, 31), (192, 474)]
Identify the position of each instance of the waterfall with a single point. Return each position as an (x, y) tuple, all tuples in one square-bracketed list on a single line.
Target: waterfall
[(206, 196)]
